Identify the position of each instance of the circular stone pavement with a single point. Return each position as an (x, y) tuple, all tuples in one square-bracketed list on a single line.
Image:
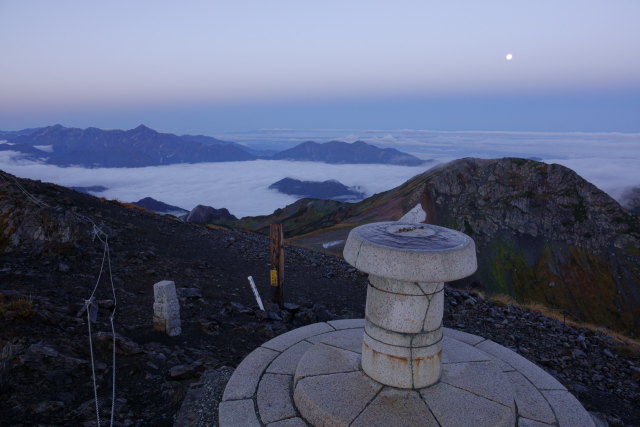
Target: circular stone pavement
[(312, 376)]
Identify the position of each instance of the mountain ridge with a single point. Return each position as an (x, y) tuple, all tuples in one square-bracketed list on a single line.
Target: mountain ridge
[(137, 147), (143, 146), (339, 152)]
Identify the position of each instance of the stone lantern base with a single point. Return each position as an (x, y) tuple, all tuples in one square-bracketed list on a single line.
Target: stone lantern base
[(313, 376)]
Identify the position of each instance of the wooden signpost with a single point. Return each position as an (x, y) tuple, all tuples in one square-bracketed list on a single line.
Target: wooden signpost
[(277, 264)]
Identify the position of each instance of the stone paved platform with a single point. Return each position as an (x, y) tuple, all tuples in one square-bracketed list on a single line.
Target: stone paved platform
[(312, 376)]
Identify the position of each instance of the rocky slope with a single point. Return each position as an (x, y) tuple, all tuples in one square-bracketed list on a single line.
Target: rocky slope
[(43, 285), (542, 232)]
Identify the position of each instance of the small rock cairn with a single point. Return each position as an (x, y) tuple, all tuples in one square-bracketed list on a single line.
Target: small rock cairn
[(407, 265)]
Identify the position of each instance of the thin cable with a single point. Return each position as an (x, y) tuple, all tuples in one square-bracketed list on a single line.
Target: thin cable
[(104, 256), (113, 332), (93, 367)]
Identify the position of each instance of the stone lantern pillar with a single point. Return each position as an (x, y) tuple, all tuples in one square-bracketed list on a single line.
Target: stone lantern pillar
[(407, 265)]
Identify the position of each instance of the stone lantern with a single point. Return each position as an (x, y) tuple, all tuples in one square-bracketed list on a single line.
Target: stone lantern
[(407, 265)]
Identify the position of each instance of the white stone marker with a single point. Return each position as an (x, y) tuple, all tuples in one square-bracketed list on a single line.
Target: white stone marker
[(408, 264), (166, 308)]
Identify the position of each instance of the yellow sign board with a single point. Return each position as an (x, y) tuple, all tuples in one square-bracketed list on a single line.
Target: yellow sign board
[(274, 277)]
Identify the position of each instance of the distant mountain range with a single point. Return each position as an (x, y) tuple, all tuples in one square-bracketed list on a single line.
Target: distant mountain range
[(331, 189), (116, 148), (142, 146)]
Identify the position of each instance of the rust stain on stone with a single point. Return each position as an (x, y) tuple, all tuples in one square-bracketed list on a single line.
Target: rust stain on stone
[(402, 359), (391, 356), (418, 360)]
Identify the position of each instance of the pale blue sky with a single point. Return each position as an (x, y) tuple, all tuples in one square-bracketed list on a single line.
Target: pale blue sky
[(213, 66)]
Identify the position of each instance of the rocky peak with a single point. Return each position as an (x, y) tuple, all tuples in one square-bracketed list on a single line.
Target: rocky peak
[(527, 197), (543, 234), (207, 214)]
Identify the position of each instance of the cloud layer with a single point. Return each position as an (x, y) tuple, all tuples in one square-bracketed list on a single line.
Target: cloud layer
[(610, 161), (240, 187)]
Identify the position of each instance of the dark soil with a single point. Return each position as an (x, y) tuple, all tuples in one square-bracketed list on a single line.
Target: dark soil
[(46, 379)]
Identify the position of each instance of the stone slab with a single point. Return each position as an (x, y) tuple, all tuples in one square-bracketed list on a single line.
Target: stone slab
[(433, 319), (284, 341), (274, 398), (531, 404), (166, 309), (387, 364), (461, 398), (416, 214), (481, 378), (454, 407), (347, 323), (463, 336), (173, 327), (411, 252), (243, 382), (164, 290), (238, 413), (401, 367), (287, 361), (568, 410), (397, 312), (406, 288), (334, 400), (393, 407), (322, 359), (525, 422), (504, 366), (348, 339), (454, 351), (159, 324), (538, 376), (422, 339), (290, 422)]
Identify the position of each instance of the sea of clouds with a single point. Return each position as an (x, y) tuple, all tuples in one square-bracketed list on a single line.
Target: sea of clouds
[(609, 160), (241, 187)]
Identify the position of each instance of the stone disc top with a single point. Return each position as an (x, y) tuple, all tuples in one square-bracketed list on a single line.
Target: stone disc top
[(411, 252)]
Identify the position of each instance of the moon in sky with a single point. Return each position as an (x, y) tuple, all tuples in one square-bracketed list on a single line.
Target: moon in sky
[(509, 57)]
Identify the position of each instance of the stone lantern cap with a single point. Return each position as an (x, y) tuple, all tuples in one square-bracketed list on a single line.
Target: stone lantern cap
[(411, 252)]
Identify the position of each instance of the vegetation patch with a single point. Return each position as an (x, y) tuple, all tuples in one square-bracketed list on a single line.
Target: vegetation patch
[(20, 308)]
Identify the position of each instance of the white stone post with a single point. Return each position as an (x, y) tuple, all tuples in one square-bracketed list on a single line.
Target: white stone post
[(408, 264), (166, 308)]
